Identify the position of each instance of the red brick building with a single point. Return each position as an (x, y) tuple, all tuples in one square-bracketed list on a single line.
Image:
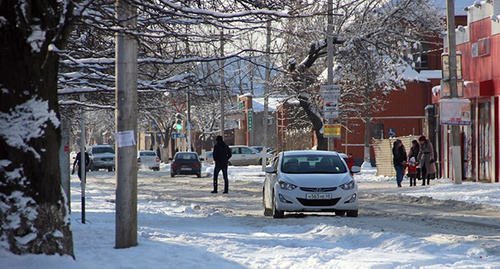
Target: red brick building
[(479, 44)]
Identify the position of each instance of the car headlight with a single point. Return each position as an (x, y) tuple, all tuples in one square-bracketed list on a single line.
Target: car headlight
[(286, 186), (348, 186)]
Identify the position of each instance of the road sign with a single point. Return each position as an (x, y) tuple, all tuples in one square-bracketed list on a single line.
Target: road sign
[(250, 119), (331, 95), (179, 106), (332, 130), (153, 127), (391, 132), (178, 135), (185, 126)]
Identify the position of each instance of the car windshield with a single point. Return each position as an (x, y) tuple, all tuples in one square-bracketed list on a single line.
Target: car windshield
[(99, 150), (185, 156), (313, 164), (147, 153)]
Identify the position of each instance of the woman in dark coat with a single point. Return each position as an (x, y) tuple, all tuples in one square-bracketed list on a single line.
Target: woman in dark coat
[(414, 150), (426, 159), (399, 160)]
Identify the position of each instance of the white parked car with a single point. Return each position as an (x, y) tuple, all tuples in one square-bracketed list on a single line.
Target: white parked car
[(300, 181), (148, 159), (102, 156), (243, 155)]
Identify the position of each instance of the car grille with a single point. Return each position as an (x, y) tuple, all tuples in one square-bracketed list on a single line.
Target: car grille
[(318, 189), (329, 202)]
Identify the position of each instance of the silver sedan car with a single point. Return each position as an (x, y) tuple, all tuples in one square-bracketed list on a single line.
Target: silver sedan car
[(310, 181)]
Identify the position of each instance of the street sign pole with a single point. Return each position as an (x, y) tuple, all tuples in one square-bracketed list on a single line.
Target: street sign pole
[(329, 40), (189, 122), (455, 130)]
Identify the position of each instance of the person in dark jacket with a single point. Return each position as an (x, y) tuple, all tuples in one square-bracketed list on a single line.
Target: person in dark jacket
[(399, 160), (221, 154), (414, 150), (76, 164)]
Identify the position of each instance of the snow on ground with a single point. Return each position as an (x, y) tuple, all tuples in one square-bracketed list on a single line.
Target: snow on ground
[(176, 234), (441, 189)]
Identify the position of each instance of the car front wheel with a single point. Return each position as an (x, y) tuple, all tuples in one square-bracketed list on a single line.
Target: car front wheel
[(277, 214), (267, 211)]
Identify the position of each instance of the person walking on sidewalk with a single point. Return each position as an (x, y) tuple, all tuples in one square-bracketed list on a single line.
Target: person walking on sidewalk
[(399, 160), (426, 159), (221, 154), (76, 164)]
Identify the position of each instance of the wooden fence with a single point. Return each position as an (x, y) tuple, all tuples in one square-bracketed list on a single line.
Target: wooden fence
[(383, 153)]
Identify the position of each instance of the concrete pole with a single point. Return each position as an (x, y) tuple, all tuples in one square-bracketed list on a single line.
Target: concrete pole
[(188, 129), (82, 159), (266, 94), (455, 130), (329, 40), (126, 120), (222, 84), (64, 159)]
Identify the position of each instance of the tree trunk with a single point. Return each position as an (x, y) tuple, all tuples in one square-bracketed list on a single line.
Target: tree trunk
[(316, 121), (366, 157), (33, 213)]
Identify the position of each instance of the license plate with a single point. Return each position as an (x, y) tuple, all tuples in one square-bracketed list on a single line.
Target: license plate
[(186, 169), (318, 196)]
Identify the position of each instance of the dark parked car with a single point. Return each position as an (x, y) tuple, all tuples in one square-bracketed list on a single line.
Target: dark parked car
[(185, 163)]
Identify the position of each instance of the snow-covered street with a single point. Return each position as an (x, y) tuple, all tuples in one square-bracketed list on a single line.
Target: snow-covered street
[(182, 225)]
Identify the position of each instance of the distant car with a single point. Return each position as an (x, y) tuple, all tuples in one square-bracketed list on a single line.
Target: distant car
[(102, 157), (209, 157), (260, 148), (343, 156), (303, 181), (148, 159), (185, 163), (244, 155)]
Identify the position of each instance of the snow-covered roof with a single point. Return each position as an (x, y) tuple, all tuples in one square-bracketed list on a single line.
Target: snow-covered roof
[(431, 74), (410, 74), (274, 102)]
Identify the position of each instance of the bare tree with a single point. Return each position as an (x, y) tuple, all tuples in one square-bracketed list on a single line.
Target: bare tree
[(376, 40)]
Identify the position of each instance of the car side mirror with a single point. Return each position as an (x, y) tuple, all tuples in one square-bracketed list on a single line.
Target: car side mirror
[(355, 169), (270, 170)]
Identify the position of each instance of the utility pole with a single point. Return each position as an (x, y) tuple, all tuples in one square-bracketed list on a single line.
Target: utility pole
[(64, 159), (329, 40), (455, 130), (83, 175), (222, 84), (188, 125), (126, 127), (266, 94)]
